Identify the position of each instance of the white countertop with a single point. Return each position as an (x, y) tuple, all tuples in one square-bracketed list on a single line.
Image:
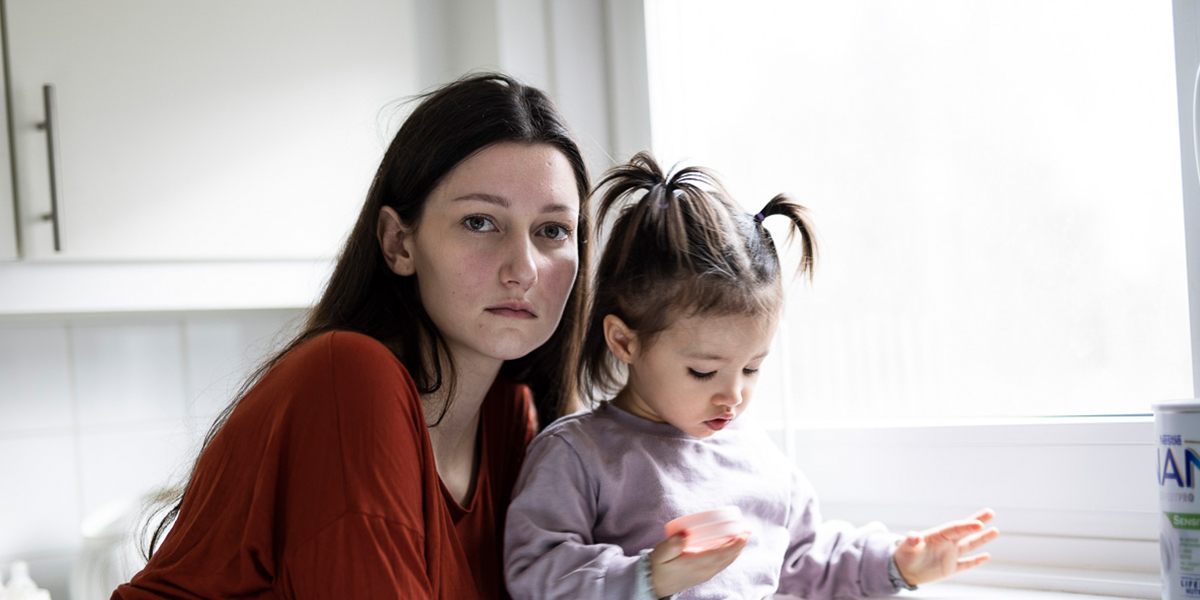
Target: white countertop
[(958, 591)]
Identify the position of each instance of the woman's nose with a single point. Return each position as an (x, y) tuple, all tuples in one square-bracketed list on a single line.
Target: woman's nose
[(519, 267)]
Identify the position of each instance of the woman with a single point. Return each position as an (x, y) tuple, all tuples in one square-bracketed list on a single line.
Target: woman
[(375, 455)]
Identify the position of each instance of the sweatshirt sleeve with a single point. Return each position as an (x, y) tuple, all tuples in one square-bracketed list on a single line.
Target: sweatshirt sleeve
[(833, 559), (549, 550)]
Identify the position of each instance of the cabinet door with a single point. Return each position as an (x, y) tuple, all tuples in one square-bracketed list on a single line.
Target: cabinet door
[(215, 129)]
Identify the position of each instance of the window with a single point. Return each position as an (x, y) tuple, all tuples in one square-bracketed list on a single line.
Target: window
[(1003, 287), (996, 187)]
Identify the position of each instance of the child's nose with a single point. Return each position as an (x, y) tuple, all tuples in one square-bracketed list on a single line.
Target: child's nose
[(730, 397)]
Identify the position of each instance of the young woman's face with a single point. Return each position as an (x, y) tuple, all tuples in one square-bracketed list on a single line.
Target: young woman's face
[(700, 372), (495, 252)]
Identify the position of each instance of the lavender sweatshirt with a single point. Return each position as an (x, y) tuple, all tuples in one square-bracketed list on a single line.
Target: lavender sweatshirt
[(597, 488)]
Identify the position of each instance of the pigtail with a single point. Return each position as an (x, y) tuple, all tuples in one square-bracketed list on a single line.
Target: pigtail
[(675, 211), (801, 220), (641, 173)]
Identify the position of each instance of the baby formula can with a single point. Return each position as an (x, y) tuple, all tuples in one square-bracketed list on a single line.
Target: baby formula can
[(1177, 434)]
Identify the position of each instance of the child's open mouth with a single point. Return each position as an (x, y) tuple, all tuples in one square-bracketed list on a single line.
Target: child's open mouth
[(718, 423)]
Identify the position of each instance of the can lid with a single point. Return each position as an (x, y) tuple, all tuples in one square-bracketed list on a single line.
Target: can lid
[(1177, 406)]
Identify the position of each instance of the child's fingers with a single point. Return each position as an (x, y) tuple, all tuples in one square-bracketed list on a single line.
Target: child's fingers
[(733, 546), (971, 562), (983, 516), (713, 560), (956, 530), (733, 549), (739, 539), (970, 543), (729, 551), (667, 550)]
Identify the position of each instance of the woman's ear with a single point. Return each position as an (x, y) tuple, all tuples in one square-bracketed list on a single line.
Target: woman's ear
[(395, 240), (622, 341)]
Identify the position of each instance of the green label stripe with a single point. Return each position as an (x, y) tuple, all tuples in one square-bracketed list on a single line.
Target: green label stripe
[(1184, 520)]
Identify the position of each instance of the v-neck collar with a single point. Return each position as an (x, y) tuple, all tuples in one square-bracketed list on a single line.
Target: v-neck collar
[(457, 511)]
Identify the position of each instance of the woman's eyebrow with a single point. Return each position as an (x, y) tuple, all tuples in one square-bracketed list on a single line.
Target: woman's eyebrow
[(550, 208), (503, 202), (489, 198)]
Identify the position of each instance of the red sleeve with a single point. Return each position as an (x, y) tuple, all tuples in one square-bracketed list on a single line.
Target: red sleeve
[(359, 480), (359, 556), (321, 484), (365, 485)]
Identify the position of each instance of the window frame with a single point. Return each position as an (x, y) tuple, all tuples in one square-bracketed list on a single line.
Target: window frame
[(1044, 467)]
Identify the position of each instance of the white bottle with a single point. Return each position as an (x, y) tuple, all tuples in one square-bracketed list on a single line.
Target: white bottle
[(21, 586)]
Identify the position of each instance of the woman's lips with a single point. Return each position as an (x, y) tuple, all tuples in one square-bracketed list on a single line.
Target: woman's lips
[(513, 310)]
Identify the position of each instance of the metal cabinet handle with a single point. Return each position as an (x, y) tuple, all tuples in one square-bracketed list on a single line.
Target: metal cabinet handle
[(50, 126), (1196, 126)]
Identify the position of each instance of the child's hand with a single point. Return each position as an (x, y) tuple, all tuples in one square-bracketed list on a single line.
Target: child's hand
[(672, 570), (942, 551)]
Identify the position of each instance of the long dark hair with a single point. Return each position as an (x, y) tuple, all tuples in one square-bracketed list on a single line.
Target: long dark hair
[(363, 295), (681, 248)]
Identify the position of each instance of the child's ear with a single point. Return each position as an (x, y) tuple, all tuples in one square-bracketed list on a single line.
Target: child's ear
[(395, 240), (622, 341)]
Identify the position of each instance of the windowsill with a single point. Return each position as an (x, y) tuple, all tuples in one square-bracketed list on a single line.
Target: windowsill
[(941, 424), (958, 591)]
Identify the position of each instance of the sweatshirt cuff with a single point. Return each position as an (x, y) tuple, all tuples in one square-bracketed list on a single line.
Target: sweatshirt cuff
[(877, 561), (642, 588), (898, 581)]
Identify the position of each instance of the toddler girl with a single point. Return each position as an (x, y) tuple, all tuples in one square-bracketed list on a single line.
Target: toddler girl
[(688, 295)]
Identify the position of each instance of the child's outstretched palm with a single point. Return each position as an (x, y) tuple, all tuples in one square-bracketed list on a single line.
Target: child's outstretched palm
[(943, 551)]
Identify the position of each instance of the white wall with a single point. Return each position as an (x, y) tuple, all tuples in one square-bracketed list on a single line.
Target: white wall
[(588, 55), (94, 409)]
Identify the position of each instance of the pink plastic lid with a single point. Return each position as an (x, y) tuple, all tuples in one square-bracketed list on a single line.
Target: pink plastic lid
[(708, 529)]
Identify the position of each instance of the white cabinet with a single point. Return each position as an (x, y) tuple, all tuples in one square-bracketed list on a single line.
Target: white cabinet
[(214, 130)]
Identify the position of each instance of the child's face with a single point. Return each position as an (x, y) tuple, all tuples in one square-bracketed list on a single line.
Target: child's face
[(700, 373)]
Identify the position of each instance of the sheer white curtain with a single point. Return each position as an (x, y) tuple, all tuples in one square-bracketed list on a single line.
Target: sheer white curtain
[(996, 187)]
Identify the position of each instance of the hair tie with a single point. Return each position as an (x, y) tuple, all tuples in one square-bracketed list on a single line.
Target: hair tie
[(759, 217), (659, 189), (675, 193)]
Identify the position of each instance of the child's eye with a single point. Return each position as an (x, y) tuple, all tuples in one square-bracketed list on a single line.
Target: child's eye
[(750, 371), (479, 223), (555, 231), (699, 375)]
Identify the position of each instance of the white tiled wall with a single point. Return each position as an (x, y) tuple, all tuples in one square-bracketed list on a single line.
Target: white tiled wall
[(96, 409)]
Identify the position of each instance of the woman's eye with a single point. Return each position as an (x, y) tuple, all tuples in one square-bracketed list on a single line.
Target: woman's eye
[(556, 232), (478, 223), (699, 375)]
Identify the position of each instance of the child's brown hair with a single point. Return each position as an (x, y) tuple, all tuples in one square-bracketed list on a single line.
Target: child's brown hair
[(681, 249)]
